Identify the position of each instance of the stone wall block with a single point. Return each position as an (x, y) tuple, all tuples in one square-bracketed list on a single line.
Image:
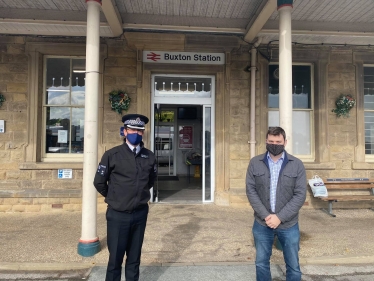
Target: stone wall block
[(16, 48), (18, 67), (75, 200), (14, 58), (19, 117), (239, 151), (129, 71), (16, 155), (239, 84), (18, 106), (237, 184), (109, 81), (239, 74), (341, 57), (336, 85), (18, 208), (62, 184), (33, 208), (121, 52), (238, 65), (10, 201), (43, 174), (246, 93), (78, 174), (19, 97), (25, 201), (125, 81), (5, 208), (238, 169), (341, 67), (235, 93), (8, 166), (126, 62), (12, 39), (2, 175), (239, 110), (351, 85), (31, 184), (18, 175), (346, 76), (20, 136), (334, 76), (72, 207), (4, 156)]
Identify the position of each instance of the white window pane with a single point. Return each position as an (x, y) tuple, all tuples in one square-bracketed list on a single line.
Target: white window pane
[(301, 130), (301, 133), (369, 132)]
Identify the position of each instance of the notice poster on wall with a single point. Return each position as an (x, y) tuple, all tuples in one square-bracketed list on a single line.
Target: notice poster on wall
[(185, 137)]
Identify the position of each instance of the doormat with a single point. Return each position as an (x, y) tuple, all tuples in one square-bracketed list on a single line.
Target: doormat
[(168, 178)]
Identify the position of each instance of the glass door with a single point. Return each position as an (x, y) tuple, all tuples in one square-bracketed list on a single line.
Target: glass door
[(207, 157)]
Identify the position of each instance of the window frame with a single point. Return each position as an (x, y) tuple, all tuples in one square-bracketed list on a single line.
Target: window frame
[(368, 157), (33, 156), (304, 157), (51, 157)]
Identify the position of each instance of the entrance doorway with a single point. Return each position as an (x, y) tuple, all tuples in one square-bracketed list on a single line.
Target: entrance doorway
[(182, 138)]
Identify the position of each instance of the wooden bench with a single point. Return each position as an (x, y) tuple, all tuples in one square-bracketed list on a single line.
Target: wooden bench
[(347, 184)]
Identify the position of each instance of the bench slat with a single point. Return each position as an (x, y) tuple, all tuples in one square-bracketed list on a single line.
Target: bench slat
[(348, 186), (349, 198)]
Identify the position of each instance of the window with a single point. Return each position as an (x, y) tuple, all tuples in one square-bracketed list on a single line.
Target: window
[(369, 108), (302, 103), (63, 105), (48, 61)]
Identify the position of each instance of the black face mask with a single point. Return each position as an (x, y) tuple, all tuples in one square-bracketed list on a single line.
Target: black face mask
[(274, 149)]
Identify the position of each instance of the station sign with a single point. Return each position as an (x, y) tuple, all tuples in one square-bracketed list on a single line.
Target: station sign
[(183, 57)]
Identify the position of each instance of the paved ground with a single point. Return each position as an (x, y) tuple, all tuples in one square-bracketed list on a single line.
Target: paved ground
[(184, 242)]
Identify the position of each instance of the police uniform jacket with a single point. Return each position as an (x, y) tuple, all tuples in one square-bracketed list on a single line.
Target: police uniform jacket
[(291, 189), (124, 179)]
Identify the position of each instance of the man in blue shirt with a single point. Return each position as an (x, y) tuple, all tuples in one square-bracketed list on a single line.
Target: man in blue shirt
[(276, 189)]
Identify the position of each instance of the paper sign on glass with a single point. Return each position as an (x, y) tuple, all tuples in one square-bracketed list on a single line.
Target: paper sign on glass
[(62, 136)]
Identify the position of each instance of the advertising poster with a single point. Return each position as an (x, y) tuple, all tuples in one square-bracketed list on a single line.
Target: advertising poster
[(185, 137)]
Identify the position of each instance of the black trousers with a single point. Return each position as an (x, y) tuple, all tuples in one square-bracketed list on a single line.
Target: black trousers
[(125, 234)]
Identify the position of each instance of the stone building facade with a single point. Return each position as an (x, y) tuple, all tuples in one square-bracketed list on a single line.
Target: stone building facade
[(29, 184)]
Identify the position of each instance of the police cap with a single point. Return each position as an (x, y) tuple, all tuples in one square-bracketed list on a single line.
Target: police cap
[(135, 121)]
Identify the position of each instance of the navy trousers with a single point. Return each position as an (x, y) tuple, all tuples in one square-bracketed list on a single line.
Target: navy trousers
[(125, 235)]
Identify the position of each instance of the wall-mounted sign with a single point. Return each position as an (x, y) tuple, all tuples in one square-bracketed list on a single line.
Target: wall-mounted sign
[(183, 57), (185, 137), (65, 173)]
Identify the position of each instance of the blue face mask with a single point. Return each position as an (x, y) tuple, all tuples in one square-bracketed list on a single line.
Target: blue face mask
[(134, 139)]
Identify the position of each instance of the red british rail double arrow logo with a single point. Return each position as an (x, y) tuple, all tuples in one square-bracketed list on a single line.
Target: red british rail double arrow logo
[(153, 56)]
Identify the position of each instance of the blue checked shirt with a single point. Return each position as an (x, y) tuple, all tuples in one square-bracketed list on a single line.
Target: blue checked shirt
[(275, 168)]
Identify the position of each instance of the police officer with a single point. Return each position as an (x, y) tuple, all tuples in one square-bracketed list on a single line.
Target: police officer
[(124, 177)]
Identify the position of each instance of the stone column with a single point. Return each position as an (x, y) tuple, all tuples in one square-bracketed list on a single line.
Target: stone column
[(285, 69), (89, 244)]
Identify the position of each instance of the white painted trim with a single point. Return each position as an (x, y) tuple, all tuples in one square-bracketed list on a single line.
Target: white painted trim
[(155, 27), (316, 32), (27, 27), (113, 17), (260, 21)]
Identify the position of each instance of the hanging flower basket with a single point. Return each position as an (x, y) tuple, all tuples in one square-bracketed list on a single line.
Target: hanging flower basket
[(119, 101), (343, 105), (2, 99)]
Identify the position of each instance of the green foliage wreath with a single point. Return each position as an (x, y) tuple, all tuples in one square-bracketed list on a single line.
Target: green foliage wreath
[(2, 99), (119, 101), (343, 105)]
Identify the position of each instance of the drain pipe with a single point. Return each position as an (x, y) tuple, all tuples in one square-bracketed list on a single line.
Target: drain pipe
[(253, 97)]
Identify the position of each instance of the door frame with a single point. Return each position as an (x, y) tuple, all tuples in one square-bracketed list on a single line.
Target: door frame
[(189, 101)]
